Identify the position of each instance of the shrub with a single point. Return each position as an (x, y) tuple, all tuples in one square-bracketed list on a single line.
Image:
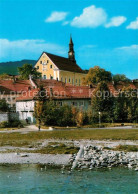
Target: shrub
[(11, 123), (4, 124), (15, 123)]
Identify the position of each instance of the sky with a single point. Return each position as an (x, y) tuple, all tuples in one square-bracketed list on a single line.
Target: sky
[(104, 32)]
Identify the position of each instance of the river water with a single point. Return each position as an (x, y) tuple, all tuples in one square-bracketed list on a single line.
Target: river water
[(24, 179)]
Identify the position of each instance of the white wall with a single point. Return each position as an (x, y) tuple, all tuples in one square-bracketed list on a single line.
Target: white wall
[(25, 110)]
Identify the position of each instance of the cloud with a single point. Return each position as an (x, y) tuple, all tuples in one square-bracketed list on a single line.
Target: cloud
[(132, 47), (91, 17), (65, 23), (131, 50), (86, 47), (56, 16), (116, 21), (133, 25), (21, 49)]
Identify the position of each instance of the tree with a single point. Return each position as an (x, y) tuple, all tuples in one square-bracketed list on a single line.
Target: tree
[(4, 106), (50, 113), (126, 106), (120, 77), (79, 118), (102, 101), (97, 75), (65, 116), (39, 105), (26, 70)]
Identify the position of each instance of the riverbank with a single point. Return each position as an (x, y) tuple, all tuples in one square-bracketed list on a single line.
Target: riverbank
[(95, 154)]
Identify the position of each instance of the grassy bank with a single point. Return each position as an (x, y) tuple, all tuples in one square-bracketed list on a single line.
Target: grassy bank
[(20, 140)]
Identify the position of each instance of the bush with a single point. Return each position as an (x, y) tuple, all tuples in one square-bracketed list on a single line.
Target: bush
[(15, 123), (11, 123), (4, 124)]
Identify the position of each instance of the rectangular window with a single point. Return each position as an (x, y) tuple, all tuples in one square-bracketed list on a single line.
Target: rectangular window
[(74, 103), (51, 77), (72, 81), (37, 67), (76, 81), (40, 62), (81, 103), (50, 66), (60, 103), (44, 77), (69, 80), (65, 80), (79, 82), (47, 61)]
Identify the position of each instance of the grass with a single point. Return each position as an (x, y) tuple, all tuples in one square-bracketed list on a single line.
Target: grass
[(51, 148), (8, 129), (127, 148), (20, 140), (95, 125), (56, 149)]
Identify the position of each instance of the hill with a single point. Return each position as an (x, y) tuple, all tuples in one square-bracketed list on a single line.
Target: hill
[(11, 66)]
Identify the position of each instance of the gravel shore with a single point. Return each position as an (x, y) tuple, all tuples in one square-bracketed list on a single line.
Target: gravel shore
[(31, 158)]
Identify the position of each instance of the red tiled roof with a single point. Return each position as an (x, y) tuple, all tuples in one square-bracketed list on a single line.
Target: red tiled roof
[(18, 86), (112, 89), (27, 95), (60, 90), (121, 85)]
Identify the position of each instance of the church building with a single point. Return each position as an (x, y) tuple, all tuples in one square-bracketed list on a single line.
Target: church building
[(61, 68)]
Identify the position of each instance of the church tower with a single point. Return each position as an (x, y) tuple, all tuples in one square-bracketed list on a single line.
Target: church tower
[(71, 53)]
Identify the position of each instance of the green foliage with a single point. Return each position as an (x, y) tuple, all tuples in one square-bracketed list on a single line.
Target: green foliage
[(126, 106), (120, 77), (4, 124), (39, 105), (4, 76), (127, 148), (65, 116), (97, 75), (11, 123), (57, 116), (4, 106), (26, 70), (102, 101)]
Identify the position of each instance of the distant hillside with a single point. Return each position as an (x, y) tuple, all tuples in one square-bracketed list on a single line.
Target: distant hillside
[(11, 67)]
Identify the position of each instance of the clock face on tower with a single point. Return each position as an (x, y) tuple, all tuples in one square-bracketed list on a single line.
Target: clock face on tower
[(70, 53)]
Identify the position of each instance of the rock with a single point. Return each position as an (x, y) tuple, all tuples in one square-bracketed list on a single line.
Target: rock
[(104, 164), (24, 155)]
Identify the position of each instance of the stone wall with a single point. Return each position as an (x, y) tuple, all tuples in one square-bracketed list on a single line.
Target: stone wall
[(4, 117)]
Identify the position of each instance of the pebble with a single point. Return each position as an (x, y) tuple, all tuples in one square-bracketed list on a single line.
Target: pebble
[(97, 157)]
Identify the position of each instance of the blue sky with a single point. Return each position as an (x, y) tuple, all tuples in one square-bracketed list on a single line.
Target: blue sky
[(105, 32)]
